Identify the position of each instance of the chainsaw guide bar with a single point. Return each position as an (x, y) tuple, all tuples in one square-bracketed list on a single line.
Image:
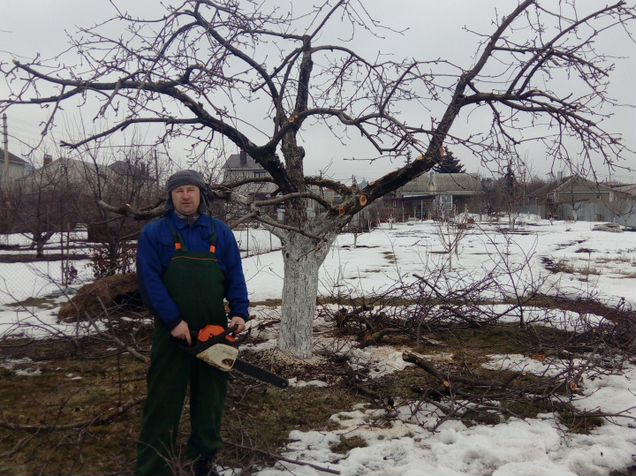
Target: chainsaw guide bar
[(218, 348)]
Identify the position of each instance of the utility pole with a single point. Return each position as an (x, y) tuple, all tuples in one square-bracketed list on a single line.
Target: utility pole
[(5, 142), (154, 150)]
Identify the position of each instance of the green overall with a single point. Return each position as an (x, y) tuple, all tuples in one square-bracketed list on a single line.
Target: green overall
[(196, 284)]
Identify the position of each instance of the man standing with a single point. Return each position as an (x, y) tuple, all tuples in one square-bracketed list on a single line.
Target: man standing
[(187, 264)]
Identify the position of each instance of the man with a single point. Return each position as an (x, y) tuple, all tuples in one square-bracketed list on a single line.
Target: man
[(187, 263)]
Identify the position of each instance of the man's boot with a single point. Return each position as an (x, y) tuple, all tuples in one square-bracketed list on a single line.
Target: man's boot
[(204, 465)]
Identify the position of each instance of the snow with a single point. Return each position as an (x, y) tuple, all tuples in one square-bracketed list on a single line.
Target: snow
[(545, 367), (403, 447), (380, 360), (388, 254), (408, 443)]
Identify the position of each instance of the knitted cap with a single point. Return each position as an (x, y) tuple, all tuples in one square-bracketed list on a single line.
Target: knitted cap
[(185, 177), (188, 177)]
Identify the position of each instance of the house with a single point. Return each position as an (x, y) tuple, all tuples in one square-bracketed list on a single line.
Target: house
[(13, 170), (625, 206), (577, 198), (88, 177), (432, 193), (629, 189), (62, 173), (130, 180), (132, 169), (243, 167)]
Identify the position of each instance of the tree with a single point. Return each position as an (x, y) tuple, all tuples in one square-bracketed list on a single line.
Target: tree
[(195, 69), (449, 164), (43, 205), (510, 188), (116, 181)]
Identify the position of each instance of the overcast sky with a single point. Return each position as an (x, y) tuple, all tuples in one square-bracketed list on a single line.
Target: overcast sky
[(435, 29)]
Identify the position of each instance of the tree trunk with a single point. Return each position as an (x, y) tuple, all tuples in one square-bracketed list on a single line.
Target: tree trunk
[(302, 260), (39, 246)]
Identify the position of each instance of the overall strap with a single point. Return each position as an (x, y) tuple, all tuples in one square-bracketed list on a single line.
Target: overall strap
[(212, 236), (179, 244)]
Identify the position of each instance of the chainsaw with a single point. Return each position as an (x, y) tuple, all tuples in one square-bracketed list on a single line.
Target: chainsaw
[(218, 347)]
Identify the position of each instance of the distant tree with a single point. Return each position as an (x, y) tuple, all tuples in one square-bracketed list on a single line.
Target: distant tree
[(43, 205), (509, 179), (502, 194), (511, 193), (7, 213), (449, 164)]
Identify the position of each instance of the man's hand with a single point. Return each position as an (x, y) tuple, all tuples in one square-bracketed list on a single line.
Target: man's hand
[(182, 331), (239, 323)]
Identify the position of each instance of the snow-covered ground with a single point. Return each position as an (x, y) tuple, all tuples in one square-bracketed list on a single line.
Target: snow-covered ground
[(599, 264), (389, 253), (409, 442)]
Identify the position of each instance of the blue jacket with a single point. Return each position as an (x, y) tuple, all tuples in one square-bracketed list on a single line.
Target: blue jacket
[(154, 252)]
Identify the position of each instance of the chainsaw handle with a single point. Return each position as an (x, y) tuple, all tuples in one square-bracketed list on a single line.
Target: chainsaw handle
[(216, 333), (207, 337), (183, 344)]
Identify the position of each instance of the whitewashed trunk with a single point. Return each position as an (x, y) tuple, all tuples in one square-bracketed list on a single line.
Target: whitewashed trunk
[(300, 288)]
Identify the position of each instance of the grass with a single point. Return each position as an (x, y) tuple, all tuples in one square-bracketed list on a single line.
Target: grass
[(256, 414), (562, 266), (577, 423), (390, 257), (273, 303), (499, 339), (623, 266), (347, 444), (264, 416), (56, 397)]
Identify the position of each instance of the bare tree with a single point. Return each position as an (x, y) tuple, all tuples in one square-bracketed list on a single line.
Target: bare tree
[(40, 205), (127, 180), (196, 69), (450, 232)]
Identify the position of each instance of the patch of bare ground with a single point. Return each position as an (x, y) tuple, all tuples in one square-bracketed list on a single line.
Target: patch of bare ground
[(584, 305), (622, 266), (68, 407)]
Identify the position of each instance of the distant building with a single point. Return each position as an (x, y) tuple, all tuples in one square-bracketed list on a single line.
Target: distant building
[(62, 172), (79, 184), (577, 198), (243, 167), (88, 177), (432, 193), (18, 168), (627, 189)]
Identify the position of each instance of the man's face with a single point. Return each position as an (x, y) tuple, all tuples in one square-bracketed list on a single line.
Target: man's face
[(186, 199)]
